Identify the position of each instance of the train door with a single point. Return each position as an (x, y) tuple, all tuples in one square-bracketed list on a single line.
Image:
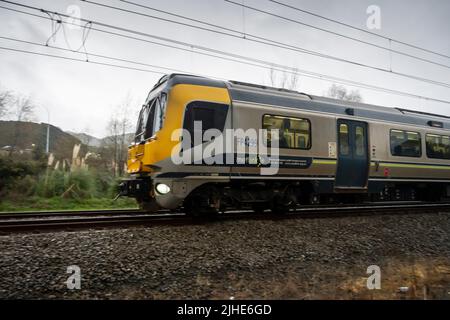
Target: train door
[(353, 159)]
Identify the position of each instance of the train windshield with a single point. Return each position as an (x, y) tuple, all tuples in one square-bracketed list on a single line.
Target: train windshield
[(151, 118)]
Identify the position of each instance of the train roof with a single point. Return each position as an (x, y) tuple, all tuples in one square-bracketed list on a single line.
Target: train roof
[(247, 92)]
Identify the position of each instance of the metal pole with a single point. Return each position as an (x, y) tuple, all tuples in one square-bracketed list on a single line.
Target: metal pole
[(48, 138), (47, 145)]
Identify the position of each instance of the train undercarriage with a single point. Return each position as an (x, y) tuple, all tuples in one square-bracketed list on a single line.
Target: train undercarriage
[(281, 196)]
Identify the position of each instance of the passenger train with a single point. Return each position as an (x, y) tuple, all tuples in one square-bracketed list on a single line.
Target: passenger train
[(329, 151)]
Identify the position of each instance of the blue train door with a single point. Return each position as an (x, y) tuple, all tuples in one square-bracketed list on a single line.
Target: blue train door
[(353, 160)]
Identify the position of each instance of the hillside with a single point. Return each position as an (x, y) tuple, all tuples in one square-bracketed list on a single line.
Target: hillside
[(30, 133), (92, 141), (87, 139)]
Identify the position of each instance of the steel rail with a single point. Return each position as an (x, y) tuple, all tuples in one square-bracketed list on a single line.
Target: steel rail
[(135, 217), (59, 213)]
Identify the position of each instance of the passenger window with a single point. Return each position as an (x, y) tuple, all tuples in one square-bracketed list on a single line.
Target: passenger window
[(359, 141), (438, 146), (344, 146), (405, 143), (211, 115), (294, 133)]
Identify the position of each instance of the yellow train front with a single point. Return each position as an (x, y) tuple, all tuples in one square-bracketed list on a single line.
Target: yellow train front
[(156, 182), (329, 150)]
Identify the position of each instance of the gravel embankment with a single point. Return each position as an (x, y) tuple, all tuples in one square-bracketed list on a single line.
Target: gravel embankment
[(299, 259)]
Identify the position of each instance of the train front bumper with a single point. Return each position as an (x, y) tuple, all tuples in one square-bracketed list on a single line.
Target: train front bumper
[(165, 191), (136, 188)]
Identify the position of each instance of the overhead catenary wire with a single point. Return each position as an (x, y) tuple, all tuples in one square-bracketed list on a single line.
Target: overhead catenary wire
[(162, 73), (100, 56), (266, 12), (266, 41), (55, 28), (79, 60), (361, 29), (443, 84), (265, 64), (389, 49)]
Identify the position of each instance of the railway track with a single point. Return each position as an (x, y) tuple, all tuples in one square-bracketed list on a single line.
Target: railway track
[(65, 213), (67, 220)]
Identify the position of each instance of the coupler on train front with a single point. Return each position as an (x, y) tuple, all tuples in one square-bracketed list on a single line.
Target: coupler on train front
[(142, 190)]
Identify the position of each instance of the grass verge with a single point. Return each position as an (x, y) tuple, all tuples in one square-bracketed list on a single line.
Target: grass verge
[(58, 203)]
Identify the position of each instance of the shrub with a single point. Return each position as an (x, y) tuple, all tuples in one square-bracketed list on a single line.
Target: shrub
[(11, 171), (77, 184), (28, 178)]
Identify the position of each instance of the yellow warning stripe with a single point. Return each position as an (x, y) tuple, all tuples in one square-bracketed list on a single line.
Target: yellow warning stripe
[(391, 165), (332, 162), (413, 166)]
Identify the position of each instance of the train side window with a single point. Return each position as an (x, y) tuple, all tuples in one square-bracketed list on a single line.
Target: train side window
[(211, 115), (294, 133), (344, 145), (359, 141), (438, 146), (405, 143)]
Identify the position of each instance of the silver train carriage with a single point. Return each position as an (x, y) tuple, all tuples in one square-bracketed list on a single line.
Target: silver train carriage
[(330, 151)]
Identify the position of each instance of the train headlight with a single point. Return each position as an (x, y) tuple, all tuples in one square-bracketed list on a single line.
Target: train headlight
[(162, 188)]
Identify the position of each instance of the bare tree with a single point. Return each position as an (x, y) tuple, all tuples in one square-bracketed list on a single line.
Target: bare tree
[(284, 79), (118, 127), (272, 77), (5, 101), (341, 93), (112, 142), (22, 110), (355, 96), (293, 80)]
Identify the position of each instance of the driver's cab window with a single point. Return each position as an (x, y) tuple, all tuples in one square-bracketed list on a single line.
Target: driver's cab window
[(139, 126), (150, 115), (160, 113), (151, 118)]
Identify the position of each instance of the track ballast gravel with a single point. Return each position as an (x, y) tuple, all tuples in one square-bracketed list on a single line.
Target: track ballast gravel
[(325, 258)]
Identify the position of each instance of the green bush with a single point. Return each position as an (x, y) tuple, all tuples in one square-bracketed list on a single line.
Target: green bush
[(11, 171), (30, 184), (78, 184), (25, 186)]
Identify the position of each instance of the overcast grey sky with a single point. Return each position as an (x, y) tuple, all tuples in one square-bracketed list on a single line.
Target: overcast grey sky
[(81, 95)]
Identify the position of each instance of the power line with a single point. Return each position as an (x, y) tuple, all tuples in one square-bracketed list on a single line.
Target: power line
[(90, 54), (265, 41), (157, 72), (335, 33), (98, 56), (360, 29), (283, 46), (254, 62), (79, 60)]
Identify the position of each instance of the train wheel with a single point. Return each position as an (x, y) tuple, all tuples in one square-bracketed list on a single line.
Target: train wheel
[(281, 204), (148, 205), (259, 207), (279, 208), (193, 209)]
